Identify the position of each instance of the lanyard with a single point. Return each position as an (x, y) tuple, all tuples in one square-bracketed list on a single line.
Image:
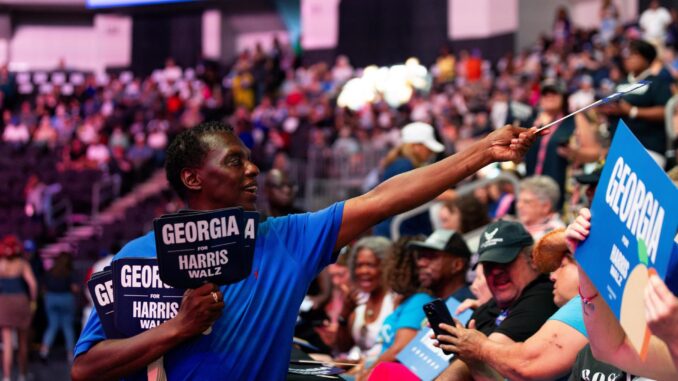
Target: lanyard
[(543, 147)]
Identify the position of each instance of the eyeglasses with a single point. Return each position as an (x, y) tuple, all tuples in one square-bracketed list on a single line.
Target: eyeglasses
[(284, 185), (427, 255)]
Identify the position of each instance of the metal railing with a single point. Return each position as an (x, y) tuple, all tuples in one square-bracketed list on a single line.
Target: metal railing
[(462, 190), (104, 191), (58, 213)]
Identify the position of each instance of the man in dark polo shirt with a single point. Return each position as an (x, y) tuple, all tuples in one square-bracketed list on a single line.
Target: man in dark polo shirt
[(643, 110), (522, 298)]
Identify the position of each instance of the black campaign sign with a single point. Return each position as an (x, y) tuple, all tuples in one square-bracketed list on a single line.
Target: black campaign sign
[(142, 300), (199, 247), (101, 288)]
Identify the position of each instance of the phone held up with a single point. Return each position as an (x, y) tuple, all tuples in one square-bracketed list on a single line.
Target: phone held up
[(436, 313)]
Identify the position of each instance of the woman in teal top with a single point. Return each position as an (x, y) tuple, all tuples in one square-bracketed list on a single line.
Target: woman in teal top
[(402, 325)]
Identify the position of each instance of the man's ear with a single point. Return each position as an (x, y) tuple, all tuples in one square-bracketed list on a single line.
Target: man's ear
[(458, 264), (191, 179)]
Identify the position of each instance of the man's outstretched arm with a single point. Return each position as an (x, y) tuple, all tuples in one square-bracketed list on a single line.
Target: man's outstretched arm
[(411, 189), (113, 359)]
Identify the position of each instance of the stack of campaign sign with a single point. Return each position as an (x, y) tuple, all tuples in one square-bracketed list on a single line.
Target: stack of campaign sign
[(193, 248)]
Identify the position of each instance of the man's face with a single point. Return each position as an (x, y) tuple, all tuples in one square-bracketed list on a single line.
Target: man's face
[(435, 268), (531, 209), (228, 177), (565, 281), (508, 280), (551, 102), (280, 191)]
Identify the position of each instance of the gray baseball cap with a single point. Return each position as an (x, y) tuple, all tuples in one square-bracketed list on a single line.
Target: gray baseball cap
[(445, 240)]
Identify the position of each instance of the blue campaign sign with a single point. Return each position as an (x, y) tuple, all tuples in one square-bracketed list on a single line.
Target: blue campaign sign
[(142, 300), (100, 287), (421, 357), (633, 223), (199, 247)]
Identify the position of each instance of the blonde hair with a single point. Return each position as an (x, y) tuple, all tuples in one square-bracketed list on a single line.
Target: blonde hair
[(405, 150)]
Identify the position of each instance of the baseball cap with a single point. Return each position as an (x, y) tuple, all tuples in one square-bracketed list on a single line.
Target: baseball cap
[(502, 241), (590, 178), (551, 86), (445, 240), (419, 132)]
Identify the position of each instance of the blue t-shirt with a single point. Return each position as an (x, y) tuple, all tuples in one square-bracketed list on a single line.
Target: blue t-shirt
[(253, 338), (572, 315), (409, 314)]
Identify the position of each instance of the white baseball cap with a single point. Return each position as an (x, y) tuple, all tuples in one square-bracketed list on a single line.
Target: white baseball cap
[(419, 132)]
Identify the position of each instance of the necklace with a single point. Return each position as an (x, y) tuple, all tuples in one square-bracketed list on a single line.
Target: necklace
[(369, 312)]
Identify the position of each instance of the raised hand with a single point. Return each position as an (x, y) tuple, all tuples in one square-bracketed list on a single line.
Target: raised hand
[(661, 310), (510, 143), (578, 230)]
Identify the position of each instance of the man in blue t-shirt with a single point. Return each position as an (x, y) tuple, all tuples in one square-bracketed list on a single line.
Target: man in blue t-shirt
[(253, 320)]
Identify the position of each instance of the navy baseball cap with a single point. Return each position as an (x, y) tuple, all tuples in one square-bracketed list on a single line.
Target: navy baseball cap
[(502, 241), (445, 240)]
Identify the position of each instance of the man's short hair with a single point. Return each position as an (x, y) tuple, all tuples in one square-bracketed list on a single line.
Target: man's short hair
[(188, 150), (644, 49), (543, 187)]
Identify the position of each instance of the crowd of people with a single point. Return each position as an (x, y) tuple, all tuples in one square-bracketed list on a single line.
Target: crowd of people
[(529, 322)]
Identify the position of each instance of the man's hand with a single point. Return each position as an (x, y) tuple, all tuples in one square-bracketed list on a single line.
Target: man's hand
[(510, 143), (578, 230), (199, 309), (464, 342), (661, 310)]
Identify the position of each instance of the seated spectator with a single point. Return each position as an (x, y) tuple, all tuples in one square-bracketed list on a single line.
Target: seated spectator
[(536, 205), (157, 141), (98, 154), (549, 353), (16, 133), (463, 215), (480, 291), (366, 307), (402, 325), (139, 153), (610, 352), (341, 287), (584, 96), (280, 194), (522, 298), (45, 135), (442, 262), (419, 146), (74, 156), (502, 198)]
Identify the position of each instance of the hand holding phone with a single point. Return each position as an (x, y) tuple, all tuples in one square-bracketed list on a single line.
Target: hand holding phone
[(436, 313)]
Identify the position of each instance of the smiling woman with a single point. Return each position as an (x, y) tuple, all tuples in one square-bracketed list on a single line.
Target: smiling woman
[(369, 303)]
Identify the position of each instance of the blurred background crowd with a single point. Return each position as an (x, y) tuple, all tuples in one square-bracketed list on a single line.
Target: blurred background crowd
[(82, 151)]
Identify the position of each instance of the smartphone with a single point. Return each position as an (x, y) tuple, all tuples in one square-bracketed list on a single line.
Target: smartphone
[(436, 313)]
